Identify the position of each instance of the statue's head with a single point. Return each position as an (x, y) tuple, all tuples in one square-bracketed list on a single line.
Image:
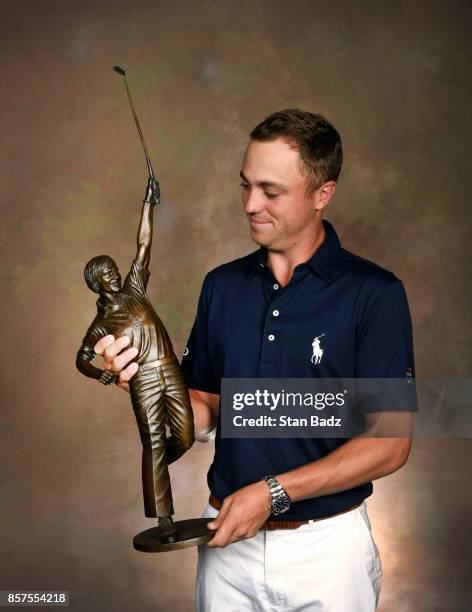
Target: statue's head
[(102, 275)]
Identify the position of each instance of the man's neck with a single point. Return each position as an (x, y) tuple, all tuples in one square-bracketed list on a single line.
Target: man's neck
[(108, 298), (283, 262)]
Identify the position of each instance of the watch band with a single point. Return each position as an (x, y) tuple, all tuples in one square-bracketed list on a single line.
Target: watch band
[(280, 500), (107, 377)]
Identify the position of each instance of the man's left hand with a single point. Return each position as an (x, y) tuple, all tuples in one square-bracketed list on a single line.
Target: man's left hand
[(241, 515)]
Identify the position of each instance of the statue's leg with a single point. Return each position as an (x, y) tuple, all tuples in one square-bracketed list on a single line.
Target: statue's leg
[(179, 413), (147, 394)]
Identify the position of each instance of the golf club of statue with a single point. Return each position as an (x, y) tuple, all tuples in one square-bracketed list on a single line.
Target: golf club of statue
[(158, 392)]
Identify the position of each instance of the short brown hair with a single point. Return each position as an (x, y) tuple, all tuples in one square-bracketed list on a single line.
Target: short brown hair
[(317, 141)]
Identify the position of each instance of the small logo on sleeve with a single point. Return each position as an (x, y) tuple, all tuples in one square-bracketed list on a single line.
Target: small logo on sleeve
[(317, 350)]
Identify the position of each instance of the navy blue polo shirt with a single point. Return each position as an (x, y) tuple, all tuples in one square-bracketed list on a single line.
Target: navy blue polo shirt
[(340, 316)]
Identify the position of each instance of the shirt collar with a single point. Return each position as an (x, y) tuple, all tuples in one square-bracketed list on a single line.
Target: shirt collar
[(102, 305), (321, 263)]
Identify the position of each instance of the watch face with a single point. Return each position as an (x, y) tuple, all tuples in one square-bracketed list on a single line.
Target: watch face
[(281, 504)]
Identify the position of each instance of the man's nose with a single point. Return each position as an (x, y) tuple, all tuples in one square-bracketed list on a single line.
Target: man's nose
[(253, 202)]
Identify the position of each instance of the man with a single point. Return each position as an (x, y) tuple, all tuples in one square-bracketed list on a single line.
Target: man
[(158, 391), (263, 316)]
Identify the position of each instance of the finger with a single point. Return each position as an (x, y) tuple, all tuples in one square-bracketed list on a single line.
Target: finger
[(116, 347), (215, 523), (123, 385), (220, 517), (102, 344), (121, 360), (224, 526), (128, 372), (224, 536)]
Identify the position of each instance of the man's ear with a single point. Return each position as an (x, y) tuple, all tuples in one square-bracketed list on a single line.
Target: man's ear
[(324, 194)]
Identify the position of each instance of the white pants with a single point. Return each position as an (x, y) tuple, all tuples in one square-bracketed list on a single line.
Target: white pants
[(328, 566)]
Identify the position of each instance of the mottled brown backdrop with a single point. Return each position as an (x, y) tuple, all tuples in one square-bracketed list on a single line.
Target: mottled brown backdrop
[(394, 78)]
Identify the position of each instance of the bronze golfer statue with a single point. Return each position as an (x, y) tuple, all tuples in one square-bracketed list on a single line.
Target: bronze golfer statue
[(158, 391)]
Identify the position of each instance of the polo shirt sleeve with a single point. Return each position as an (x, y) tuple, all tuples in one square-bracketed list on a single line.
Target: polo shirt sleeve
[(384, 346), (197, 366), (136, 280)]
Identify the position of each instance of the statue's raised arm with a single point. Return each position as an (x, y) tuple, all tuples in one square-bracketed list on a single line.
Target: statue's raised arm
[(143, 253)]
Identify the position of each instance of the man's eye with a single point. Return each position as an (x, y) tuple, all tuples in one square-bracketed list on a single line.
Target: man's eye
[(271, 196), (244, 185)]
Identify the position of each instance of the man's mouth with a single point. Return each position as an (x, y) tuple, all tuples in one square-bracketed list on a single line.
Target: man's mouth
[(258, 221)]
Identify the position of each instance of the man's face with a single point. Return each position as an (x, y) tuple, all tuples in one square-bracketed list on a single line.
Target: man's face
[(110, 280), (274, 194)]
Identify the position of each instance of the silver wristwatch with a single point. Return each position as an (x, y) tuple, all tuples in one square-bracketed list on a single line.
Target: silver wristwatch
[(280, 501)]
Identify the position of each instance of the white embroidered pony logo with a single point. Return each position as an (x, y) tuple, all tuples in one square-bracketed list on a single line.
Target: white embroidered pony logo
[(317, 350)]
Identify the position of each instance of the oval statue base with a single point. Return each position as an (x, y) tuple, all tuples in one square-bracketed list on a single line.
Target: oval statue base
[(191, 532)]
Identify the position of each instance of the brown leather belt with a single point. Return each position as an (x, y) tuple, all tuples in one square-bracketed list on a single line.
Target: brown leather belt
[(158, 362), (284, 524)]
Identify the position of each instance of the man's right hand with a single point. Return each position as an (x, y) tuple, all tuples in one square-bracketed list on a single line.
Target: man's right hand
[(116, 359)]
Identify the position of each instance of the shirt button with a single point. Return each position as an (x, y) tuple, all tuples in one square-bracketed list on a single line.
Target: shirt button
[(275, 313), (271, 337), (275, 286)]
